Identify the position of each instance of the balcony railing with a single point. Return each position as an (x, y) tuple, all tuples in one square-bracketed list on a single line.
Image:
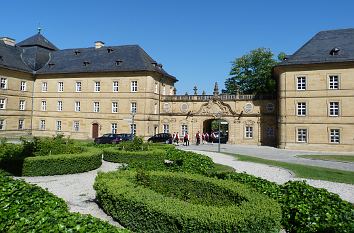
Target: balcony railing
[(223, 97)]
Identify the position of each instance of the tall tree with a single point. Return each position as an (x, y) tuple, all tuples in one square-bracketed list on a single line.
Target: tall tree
[(252, 73)]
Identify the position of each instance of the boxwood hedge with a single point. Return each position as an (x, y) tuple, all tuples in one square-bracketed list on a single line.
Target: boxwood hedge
[(89, 159), (179, 202), (29, 208)]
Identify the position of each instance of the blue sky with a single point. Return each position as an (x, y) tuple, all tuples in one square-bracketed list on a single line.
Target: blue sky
[(195, 40)]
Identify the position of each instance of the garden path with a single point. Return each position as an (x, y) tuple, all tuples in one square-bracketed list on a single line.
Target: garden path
[(77, 190), (278, 175)]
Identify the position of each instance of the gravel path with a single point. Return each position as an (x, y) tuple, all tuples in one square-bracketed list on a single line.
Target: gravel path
[(279, 175), (77, 190)]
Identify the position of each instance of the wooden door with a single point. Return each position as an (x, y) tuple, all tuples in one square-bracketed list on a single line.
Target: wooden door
[(94, 130)]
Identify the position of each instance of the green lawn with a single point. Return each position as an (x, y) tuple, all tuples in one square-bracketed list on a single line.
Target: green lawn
[(342, 158), (305, 171)]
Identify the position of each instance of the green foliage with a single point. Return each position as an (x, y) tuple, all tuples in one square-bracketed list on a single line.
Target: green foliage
[(137, 144), (181, 202), (28, 208), (304, 208), (55, 145), (54, 164), (252, 73)]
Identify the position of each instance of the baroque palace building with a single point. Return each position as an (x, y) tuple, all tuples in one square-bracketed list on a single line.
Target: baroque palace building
[(86, 92)]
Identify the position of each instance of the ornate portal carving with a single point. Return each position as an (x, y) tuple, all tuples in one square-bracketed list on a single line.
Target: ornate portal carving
[(213, 107)]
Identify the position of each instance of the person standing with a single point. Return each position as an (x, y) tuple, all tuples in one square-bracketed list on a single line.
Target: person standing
[(198, 137), (203, 138), (212, 137), (186, 139), (206, 137), (173, 137), (177, 138)]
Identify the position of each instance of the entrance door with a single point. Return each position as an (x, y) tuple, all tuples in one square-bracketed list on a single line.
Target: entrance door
[(94, 130)]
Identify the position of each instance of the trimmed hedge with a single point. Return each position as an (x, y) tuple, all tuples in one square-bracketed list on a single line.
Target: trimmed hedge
[(54, 164), (29, 208), (304, 208), (156, 160), (181, 202)]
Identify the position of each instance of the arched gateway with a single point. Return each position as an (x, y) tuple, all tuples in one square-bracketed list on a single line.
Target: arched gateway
[(244, 119)]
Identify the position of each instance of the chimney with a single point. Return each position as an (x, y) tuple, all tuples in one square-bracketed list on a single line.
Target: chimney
[(8, 41), (99, 44)]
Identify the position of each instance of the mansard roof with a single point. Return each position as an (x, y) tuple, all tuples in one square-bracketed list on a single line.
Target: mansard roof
[(38, 55), (325, 47)]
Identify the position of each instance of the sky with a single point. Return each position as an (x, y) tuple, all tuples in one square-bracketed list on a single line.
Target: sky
[(195, 40)]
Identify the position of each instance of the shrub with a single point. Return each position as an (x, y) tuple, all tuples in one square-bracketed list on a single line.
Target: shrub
[(304, 208), (137, 144), (28, 208), (180, 202), (55, 145), (54, 164)]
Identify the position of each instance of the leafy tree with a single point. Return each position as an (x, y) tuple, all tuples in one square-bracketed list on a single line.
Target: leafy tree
[(252, 73)]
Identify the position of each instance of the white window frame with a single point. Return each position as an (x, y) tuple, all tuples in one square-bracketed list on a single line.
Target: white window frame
[(333, 108), (23, 86), (44, 105), (248, 131), (114, 107), (60, 105), (58, 125), (60, 86), (133, 107), (77, 106), (333, 82), (301, 108), (334, 136), (44, 86), (3, 83), (76, 126), (166, 128), (133, 129), (97, 86), (78, 86), (21, 124), (22, 105), (301, 83), (156, 88), (2, 124), (96, 106), (42, 125), (3, 103), (155, 108), (184, 129), (115, 86), (302, 135), (164, 89), (114, 128), (134, 86)]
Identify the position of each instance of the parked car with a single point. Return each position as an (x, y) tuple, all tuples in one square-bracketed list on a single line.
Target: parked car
[(108, 138), (223, 137), (125, 136), (161, 137)]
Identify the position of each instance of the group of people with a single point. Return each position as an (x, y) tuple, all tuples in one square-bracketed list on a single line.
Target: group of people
[(200, 138)]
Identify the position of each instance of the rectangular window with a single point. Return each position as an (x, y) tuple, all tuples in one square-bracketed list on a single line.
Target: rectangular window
[(156, 88), (155, 108), (60, 86), (3, 83), (249, 132), (333, 82), (133, 129), (171, 91), (77, 106), (22, 105), (2, 103), (270, 132), (23, 86), (114, 127), (44, 105), (114, 107), (78, 87), (164, 90), (302, 135), (60, 106), (333, 108), (166, 128), (58, 126), (42, 125), (133, 107), (301, 83), (44, 86), (76, 126), (96, 106), (184, 129), (301, 109), (21, 124), (335, 136), (97, 86), (2, 124), (134, 86), (115, 86)]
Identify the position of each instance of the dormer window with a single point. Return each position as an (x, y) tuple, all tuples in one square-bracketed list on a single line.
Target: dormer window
[(1, 58), (109, 50), (118, 62), (77, 52), (334, 51), (86, 63), (154, 64)]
